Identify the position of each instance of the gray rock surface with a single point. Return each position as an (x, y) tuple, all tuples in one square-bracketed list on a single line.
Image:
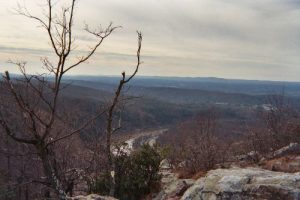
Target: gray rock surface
[(292, 148), (172, 187), (245, 184)]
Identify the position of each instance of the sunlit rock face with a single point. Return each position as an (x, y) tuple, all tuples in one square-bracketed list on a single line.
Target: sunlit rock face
[(245, 184)]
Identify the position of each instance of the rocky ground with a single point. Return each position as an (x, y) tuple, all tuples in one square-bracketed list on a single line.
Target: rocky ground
[(172, 187), (245, 184), (274, 177)]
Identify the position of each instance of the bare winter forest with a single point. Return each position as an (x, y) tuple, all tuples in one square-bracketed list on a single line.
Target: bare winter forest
[(138, 137)]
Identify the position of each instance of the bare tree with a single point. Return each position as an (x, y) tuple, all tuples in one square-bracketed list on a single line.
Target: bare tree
[(110, 114), (278, 119), (273, 127), (30, 115), (196, 146)]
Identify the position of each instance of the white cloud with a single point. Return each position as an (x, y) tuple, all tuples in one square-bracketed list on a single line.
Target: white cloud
[(251, 39)]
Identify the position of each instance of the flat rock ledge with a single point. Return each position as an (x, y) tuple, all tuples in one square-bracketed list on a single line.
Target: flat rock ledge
[(245, 184), (91, 197)]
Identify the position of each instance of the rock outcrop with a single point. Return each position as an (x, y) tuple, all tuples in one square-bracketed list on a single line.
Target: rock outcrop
[(245, 184), (291, 149), (289, 164), (172, 188)]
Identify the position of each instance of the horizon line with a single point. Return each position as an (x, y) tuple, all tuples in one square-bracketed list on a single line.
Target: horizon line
[(175, 77)]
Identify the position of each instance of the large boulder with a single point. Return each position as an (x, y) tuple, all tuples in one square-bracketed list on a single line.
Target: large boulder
[(245, 184)]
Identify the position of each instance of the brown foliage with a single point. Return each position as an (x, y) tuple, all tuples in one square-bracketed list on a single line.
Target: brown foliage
[(195, 145), (275, 126)]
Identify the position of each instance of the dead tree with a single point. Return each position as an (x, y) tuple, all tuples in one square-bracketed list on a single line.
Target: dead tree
[(110, 115), (35, 99), (279, 120)]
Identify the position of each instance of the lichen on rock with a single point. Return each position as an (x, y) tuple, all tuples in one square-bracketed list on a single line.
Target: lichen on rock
[(245, 184)]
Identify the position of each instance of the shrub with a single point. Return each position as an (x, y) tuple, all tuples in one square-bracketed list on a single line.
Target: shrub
[(136, 174)]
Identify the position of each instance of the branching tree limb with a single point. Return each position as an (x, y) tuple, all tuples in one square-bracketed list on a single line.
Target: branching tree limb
[(35, 99), (110, 114)]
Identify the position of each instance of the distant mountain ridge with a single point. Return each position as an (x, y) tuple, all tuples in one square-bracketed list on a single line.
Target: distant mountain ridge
[(250, 87), (232, 86)]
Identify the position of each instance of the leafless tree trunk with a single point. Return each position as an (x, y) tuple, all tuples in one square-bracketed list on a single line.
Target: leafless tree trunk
[(37, 107), (110, 114)]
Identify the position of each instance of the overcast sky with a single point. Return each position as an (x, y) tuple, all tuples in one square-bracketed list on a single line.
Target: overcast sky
[(247, 39)]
